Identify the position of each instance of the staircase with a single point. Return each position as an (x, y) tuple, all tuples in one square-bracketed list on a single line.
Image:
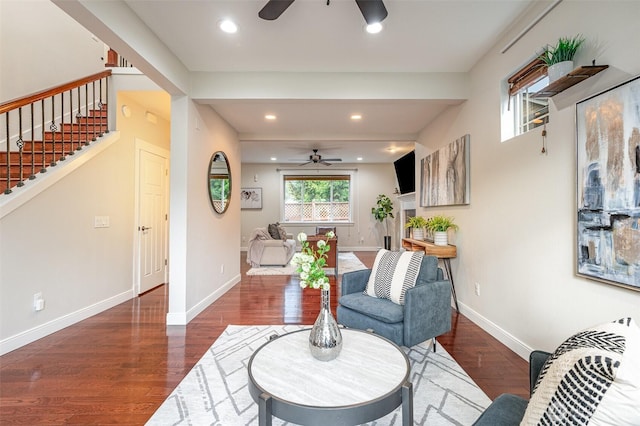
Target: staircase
[(25, 159)]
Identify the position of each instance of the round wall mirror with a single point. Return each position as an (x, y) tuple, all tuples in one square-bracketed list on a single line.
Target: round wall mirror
[(219, 182)]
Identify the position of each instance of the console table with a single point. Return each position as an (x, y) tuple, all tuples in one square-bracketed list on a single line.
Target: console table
[(369, 379), (446, 253), (332, 255)]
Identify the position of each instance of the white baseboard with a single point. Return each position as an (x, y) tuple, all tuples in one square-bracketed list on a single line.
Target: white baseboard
[(29, 336), (502, 335), (183, 318)]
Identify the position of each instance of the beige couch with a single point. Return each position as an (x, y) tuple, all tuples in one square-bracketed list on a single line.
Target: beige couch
[(265, 250)]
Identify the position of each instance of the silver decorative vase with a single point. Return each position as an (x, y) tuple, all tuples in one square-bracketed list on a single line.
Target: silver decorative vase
[(325, 340)]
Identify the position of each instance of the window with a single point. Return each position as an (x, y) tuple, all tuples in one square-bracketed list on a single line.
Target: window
[(317, 199), (527, 111)]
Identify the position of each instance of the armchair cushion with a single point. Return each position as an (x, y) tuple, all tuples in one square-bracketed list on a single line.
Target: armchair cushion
[(382, 310), (592, 378), (393, 274)]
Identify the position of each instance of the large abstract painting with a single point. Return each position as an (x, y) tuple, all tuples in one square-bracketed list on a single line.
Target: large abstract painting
[(444, 175), (608, 193)]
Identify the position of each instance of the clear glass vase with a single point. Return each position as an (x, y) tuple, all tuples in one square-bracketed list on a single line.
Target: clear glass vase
[(325, 339)]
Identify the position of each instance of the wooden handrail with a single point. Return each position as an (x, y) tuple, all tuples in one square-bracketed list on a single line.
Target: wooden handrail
[(27, 100)]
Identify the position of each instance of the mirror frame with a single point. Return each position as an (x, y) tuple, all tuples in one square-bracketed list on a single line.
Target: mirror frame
[(217, 157)]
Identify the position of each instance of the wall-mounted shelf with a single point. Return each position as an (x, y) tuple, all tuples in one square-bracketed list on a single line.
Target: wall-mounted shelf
[(574, 77)]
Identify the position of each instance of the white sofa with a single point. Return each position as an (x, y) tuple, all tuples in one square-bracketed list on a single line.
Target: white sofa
[(264, 250)]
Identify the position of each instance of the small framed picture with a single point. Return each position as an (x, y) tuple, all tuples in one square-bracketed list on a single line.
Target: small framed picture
[(251, 198)]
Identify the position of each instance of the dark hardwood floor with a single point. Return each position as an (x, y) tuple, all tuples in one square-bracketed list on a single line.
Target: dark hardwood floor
[(119, 366)]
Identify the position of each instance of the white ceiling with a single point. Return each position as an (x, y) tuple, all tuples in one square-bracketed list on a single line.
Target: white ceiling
[(419, 36)]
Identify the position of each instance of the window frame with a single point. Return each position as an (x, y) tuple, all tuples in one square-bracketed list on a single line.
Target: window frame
[(514, 122), (331, 174)]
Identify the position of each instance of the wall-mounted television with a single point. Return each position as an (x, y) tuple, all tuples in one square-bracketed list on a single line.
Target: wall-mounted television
[(406, 172)]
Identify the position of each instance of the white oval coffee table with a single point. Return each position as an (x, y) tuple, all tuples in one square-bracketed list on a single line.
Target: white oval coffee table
[(369, 379)]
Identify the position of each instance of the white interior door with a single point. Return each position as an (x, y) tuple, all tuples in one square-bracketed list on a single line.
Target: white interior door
[(152, 219)]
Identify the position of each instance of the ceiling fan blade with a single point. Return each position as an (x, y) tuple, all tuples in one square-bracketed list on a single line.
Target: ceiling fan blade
[(273, 9), (304, 164), (324, 162), (373, 11), (332, 159)]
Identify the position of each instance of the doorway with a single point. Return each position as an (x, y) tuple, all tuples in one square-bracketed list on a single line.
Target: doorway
[(151, 242)]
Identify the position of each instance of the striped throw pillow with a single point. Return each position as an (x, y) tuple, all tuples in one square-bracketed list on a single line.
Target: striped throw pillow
[(393, 273), (593, 378)]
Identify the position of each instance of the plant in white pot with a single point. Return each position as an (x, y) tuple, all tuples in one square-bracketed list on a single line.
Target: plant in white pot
[(439, 225), (559, 58), (417, 225)]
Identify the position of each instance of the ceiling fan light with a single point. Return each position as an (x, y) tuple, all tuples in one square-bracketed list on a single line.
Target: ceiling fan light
[(228, 26), (374, 28), (373, 11)]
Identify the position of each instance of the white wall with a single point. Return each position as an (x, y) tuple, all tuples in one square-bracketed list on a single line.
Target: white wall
[(517, 237), (204, 245), (50, 246), (369, 180), (54, 42)]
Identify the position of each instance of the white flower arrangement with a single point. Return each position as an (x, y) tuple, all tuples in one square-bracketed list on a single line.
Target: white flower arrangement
[(310, 264)]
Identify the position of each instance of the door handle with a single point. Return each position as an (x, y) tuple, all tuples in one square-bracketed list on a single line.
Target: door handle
[(144, 228)]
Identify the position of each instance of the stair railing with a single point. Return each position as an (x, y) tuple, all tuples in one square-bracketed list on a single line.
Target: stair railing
[(46, 127)]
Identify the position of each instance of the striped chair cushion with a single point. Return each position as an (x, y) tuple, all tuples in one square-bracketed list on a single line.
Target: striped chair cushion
[(393, 273)]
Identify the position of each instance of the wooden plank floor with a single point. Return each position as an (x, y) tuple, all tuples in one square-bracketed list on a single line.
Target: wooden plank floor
[(119, 366)]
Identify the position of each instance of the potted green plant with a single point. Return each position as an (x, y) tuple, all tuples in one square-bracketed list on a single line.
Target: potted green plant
[(417, 225), (559, 58), (382, 212), (439, 225)]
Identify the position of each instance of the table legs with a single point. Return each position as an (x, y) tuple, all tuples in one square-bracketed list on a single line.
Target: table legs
[(264, 409), (407, 404), (447, 268)]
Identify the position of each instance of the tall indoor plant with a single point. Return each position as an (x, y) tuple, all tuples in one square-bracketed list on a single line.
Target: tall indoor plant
[(439, 225), (382, 211), (559, 58)]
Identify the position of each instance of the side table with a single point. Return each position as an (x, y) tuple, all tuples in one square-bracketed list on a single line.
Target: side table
[(446, 253)]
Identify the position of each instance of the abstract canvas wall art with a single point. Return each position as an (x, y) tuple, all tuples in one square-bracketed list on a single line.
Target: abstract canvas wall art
[(444, 175), (608, 193)]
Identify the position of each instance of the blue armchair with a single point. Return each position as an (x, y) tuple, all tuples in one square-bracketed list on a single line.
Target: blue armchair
[(425, 314), (508, 409)]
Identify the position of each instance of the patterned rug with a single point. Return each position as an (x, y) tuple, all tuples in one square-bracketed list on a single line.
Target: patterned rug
[(347, 262), (215, 392)]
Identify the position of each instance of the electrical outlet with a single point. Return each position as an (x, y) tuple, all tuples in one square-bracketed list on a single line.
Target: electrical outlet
[(38, 302), (477, 289)]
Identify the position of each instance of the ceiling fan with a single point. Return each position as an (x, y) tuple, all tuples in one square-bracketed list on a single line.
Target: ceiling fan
[(373, 11), (316, 158)]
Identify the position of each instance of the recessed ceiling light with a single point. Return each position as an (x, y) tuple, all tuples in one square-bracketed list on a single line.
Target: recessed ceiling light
[(374, 28), (228, 26), (356, 117), (270, 117), (359, 158), (273, 158)]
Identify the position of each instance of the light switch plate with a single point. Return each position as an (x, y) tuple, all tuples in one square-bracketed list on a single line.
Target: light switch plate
[(101, 222)]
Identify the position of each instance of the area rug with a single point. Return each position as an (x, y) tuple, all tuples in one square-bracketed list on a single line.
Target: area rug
[(215, 392), (347, 262)]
